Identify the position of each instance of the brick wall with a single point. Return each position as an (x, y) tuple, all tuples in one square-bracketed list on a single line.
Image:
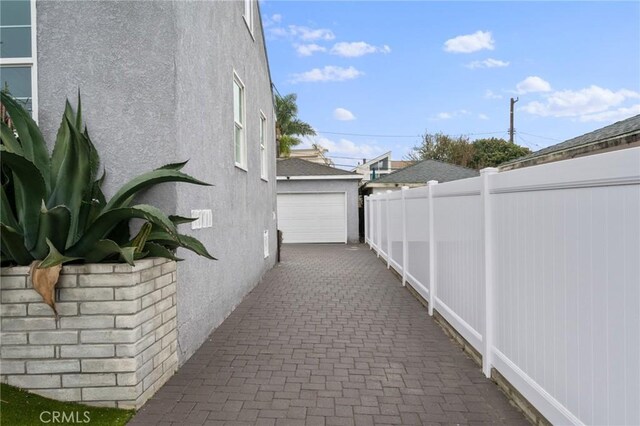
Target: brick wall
[(114, 343)]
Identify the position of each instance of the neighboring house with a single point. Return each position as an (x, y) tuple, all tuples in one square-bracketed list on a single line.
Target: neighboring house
[(166, 81), (379, 166), (418, 174), (316, 203), (620, 135), (315, 155)]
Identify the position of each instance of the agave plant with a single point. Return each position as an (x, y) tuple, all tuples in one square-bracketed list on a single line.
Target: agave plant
[(53, 210)]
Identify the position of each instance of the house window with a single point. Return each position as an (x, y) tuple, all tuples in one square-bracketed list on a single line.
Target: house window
[(248, 15), (264, 173), (18, 52), (239, 137)]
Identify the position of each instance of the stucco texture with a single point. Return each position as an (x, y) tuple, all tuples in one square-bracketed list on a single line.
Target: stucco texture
[(156, 79), (350, 186)]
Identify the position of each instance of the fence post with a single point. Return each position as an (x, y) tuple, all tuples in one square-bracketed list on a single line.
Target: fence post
[(405, 242), (365, 217), (432, 248), (388, 230), (379, 226), (487, 356)]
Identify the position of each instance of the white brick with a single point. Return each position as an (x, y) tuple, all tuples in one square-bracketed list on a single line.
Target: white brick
[(163, 281), (28, 351), (87, 351), (169, 290), (15, 270), (151, 351), (150, 379), (91, 268), (42, 309), (53, 366), (26, 324), (160, 260), (66, 281), (115, 393), (86, 294), (134, 349), (13, 310), (118, 365), (151, 298), (57, 337), (110, 336), (108, 280), (161, 357), (11, 367), (169, 267), (169, 338), (163, 305), (132, 321), (135, 292), (13, 338), (171, 363), (86, 379), (164, 329), (42, 381), (87, 322), (127, 379), (152, 324), (150, 274), (11, 282), (120, 307), (139, 266), (20, 296), (169, 314), (59, 394)]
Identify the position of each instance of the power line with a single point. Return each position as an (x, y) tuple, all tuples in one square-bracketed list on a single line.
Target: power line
[(400, 136), (344, 158), (541, 137)]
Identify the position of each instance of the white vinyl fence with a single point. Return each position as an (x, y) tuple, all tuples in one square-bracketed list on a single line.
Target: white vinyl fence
[(539, 270)]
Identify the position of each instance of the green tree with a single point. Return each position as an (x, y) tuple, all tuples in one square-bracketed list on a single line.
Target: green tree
[(288, 126), (441, 147), (492, 152)]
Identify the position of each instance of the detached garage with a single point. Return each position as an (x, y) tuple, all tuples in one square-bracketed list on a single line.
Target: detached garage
[(316, 203)]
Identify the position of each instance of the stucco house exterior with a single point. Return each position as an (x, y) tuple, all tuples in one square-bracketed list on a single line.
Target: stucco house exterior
[(316, 203), (166, 81)]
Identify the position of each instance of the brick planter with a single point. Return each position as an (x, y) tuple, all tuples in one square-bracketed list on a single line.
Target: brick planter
[(114, 344)]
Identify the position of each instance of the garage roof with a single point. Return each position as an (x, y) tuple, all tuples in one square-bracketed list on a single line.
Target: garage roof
[(289, 167), (425, 171)]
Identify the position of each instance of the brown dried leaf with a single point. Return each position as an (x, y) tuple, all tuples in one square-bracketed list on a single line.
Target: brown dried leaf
[(44, 282)]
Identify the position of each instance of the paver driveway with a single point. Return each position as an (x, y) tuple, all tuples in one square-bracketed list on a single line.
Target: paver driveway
[(329, 337)]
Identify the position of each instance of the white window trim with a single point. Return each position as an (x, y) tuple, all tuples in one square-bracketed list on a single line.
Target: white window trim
[(243, 165), (31, 62), (249, 21), (264, 152)]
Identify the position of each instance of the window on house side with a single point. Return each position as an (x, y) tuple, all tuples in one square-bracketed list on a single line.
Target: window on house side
[(248, 15), (18, 52), (239, 137), (264, 173)]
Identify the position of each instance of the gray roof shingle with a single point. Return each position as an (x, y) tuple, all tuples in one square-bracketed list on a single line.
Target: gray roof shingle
[(427, 170), (300, 167), (621, 128)]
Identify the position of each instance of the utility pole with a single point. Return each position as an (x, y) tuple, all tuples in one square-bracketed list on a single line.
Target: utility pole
[(512, 131)]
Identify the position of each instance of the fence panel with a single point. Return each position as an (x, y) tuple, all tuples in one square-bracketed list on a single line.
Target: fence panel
[(395, 230), (384, 231), (417, 213)]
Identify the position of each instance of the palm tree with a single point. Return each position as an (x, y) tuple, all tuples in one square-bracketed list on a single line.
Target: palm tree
[(288, 125)]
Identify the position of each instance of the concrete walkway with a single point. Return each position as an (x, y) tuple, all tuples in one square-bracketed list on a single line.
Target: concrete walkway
[(329, 337)]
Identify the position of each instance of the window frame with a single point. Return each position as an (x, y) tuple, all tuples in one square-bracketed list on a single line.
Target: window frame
[(264, 156), (29, 62), (243, 163), (249, 17)]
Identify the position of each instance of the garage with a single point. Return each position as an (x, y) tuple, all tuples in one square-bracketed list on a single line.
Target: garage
[(316, 203), (313, 217)]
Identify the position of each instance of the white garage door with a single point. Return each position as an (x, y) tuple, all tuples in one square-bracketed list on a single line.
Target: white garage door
[(312, 217)]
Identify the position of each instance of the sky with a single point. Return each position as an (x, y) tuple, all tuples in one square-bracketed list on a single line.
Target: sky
[(372, 76)]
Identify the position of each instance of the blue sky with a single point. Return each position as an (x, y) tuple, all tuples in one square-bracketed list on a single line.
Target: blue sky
[(403, 68)]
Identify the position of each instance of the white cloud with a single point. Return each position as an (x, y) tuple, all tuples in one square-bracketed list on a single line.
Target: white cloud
[(470, 43), (487, 63), (532, 84), (357, 48), (310, 34), (346, 147), (489, 94), (343, 114), (328, 73), (592, 103), (450, 115), (483, 116), (308, 49), (277, 18), (613, 115)]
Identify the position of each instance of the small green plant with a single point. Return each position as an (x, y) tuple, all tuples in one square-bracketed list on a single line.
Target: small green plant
[(52, 208)]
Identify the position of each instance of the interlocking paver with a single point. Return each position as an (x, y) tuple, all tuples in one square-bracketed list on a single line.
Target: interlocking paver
[(329, 337)]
